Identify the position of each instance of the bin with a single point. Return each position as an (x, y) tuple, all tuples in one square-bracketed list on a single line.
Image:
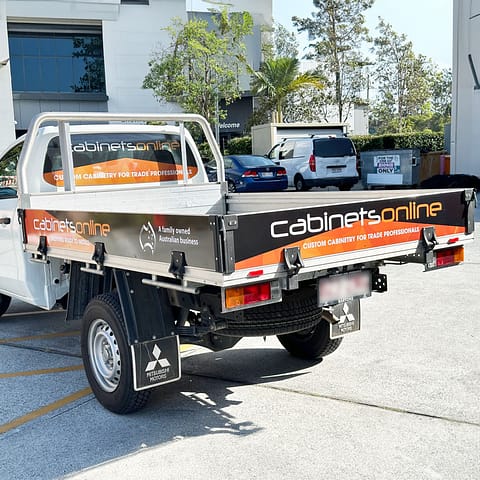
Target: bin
[(391, 168)]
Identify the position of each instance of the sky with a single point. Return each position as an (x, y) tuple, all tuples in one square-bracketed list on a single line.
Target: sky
[(426, 23)]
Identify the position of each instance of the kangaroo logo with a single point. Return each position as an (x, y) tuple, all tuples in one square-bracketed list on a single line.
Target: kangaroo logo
[(147, 238)]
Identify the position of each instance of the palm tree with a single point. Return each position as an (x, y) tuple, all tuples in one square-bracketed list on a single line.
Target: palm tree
[(277, 78)]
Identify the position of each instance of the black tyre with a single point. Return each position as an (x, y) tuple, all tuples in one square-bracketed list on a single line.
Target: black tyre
[(106, 356), (299, 184), (4, 303), (297, 311), (311, 344), (231, 187)]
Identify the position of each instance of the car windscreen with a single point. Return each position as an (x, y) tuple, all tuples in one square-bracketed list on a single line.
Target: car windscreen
[(7, 192), (333, 147)]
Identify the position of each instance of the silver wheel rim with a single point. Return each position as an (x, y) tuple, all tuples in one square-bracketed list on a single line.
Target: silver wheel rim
[(104, 355)]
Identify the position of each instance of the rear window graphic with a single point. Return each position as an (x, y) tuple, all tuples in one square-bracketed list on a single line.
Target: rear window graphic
[(115, 159)]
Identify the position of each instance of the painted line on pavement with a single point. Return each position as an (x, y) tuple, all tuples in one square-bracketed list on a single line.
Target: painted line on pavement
[(44, 410), (43, 371), (59, 403), (39, 337)]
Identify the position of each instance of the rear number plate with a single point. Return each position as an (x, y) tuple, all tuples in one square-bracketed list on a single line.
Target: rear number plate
[(266, 174), (341, 288)]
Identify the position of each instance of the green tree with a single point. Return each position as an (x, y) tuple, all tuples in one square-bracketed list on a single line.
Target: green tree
[(337, 30), (403, 81), (201, 65), (283, 43), (442, 93), (276, 79)]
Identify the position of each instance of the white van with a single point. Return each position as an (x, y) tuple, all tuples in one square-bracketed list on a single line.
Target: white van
[(317, 161)]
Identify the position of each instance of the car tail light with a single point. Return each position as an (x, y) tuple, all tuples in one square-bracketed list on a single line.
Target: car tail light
[(281, 172), (236, 297), (312, 164), (250, 173), (449, 256)]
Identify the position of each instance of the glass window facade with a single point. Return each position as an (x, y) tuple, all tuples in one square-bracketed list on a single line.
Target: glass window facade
[(50, 60)]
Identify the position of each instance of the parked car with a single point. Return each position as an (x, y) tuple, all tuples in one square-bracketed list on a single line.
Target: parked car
[(317, 161), (250, 173)]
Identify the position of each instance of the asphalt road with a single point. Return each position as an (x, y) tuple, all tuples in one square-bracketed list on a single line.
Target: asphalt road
[(398, 400)]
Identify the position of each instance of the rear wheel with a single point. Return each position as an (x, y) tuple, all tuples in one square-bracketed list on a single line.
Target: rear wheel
[(311, 344), (300, 184), (231, 187), (106, 356), (4, 303)]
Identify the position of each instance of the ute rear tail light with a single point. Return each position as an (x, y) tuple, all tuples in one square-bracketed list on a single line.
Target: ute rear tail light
[(447, 257), (237, 297), (312, 164), (250, 173)]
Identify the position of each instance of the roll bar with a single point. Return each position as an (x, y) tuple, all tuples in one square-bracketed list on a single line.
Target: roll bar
[(63, 120)]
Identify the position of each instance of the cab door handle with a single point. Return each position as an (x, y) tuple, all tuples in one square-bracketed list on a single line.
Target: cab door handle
[(5, 221)]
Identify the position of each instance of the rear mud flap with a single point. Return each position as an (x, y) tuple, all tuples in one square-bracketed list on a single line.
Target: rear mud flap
[(156, 362), (345, 318)]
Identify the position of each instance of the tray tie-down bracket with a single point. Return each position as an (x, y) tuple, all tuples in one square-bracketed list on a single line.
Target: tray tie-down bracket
[(42, 249), (178, 262), (424, 254), (293, 262), (98, 257)]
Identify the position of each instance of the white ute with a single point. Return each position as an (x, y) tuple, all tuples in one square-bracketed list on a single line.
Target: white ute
[(115, 219)]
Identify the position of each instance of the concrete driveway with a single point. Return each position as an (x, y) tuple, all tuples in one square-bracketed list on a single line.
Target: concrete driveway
[(398, 400)]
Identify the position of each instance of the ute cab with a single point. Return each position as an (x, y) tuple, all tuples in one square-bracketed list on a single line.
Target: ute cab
[(105, 156)]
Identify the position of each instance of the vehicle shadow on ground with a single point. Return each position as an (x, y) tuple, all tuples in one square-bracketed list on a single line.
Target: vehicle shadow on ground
[(209, 383), (204, 402)]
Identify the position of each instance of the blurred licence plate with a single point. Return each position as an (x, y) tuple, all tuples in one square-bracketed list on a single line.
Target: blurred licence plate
[(266, 174), (340, 288)]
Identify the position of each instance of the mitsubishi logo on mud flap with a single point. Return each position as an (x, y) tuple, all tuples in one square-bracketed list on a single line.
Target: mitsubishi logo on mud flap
[(147, 238), (347, 317), (161, 362)]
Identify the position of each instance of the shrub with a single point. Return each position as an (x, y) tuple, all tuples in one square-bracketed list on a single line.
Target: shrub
[(239, 146), (426, 142)]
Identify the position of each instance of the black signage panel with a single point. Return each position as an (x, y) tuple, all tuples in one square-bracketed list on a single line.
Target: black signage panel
[(156, 362)]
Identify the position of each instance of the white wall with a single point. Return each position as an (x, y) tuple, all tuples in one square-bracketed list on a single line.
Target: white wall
[(128, 43), (465, 130), (262, 9), (7, 125), (62, 9), (130, 34)]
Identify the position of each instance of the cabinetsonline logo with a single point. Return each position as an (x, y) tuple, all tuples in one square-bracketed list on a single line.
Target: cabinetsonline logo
[(147, 238), (326, 222)]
